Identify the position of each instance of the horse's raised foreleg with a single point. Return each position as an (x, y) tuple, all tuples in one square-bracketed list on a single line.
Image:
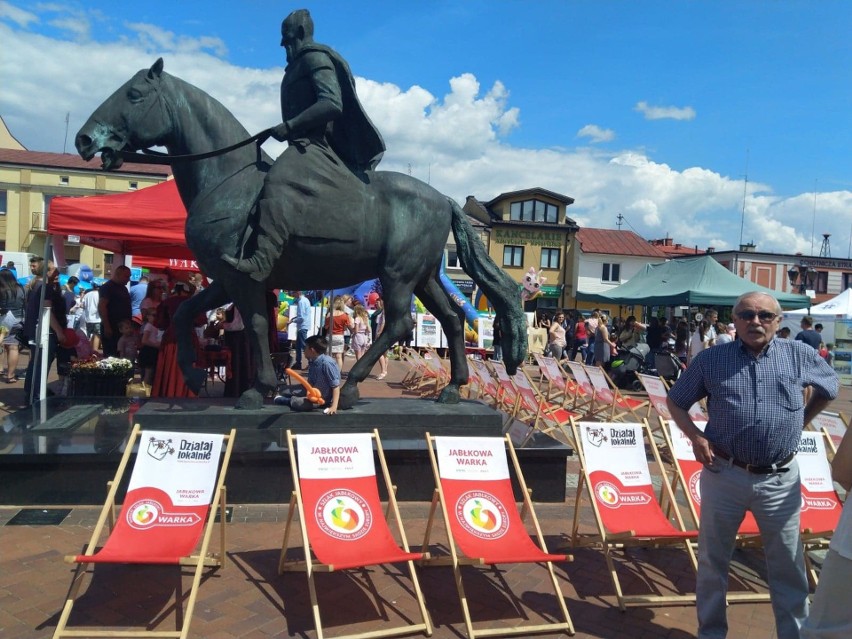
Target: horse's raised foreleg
[(398, 324), (250, 298), (211, 297), (436, 299)]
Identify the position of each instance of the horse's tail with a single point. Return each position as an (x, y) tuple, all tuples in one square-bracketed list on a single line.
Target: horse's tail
[(498, 287)]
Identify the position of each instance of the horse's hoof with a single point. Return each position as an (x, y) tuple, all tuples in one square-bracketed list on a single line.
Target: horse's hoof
[(250, 400), (450, 395), (195, 379), (349, 396)]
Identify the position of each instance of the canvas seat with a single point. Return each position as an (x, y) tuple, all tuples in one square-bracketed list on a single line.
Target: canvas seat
[(341, 519), (615, 477), (834, 426), (614, 405), (482, 522), (177, 483)]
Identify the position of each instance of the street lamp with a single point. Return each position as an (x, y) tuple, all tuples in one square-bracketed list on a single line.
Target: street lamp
[(802, 277)]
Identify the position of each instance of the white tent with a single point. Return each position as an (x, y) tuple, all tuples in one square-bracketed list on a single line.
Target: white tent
[(826, 313)]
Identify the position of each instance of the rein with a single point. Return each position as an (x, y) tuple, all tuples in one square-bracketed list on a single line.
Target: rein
[(149, 156)]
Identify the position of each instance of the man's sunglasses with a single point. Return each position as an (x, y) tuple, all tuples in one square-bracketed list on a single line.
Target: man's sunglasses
[(763, 316)]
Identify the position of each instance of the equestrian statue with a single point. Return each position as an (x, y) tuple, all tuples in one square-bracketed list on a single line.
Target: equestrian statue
[(319, 217)]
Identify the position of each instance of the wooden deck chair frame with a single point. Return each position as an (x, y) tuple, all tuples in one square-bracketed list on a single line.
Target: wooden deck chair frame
[(621, 405), (201, 560), (834, 425), (610, 541), (310, 565), (748, 535), (549, 418), (552, 387), (817, 531), (456, 559), (585, 398), (524, 406)]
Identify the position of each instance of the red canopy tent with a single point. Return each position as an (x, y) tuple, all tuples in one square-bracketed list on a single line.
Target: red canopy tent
[(147, 224)]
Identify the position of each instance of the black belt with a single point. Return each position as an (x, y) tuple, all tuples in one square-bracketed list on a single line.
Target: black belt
[(758, 470)]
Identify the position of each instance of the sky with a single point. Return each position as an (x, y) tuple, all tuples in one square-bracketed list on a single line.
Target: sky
[(712, 123)]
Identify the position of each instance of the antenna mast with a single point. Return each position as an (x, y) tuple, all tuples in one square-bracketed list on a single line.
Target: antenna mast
[(745, 191)]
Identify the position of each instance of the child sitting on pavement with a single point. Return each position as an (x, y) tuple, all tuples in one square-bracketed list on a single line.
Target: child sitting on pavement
[(323, 374)]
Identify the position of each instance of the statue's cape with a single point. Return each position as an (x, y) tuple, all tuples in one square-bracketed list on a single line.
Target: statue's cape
[(353, 137)]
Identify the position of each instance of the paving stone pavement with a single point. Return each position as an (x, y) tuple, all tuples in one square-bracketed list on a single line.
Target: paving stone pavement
[(249, 599)]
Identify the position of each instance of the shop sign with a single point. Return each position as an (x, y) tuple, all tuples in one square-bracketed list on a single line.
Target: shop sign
[(531, 237), (551, 291)]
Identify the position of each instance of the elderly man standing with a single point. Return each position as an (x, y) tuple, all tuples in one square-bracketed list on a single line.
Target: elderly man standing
[(114, 306), (756, 413)]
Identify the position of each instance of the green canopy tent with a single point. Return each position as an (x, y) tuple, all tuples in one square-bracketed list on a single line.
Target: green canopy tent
[(699, 281)]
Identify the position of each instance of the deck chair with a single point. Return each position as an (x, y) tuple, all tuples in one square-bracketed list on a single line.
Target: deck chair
[(688, 472), (177, 480), (584, 392), (340, 516), (482, 520), (617, 406), (615, 477), (834, 426), (821, 506), (519, 405), (550, 418), (486, 388), (657, 392), (555, 385)]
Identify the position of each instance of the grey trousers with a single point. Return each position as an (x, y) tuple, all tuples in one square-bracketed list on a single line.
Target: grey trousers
[(727, 491)]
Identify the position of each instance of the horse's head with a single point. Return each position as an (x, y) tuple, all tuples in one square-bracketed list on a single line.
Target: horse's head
[(132, 118)]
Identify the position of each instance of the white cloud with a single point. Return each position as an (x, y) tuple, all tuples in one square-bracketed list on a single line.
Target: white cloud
[(18, 16), (596, 133), (457, 141), (664, 112)]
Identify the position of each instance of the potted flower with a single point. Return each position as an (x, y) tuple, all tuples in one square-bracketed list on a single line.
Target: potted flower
[(95, 377)]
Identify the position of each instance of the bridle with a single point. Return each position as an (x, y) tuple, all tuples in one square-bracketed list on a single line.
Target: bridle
[(150, 156)]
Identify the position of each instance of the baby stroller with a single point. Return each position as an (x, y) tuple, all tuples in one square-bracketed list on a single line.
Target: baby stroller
[(626, 364), (668, 365)]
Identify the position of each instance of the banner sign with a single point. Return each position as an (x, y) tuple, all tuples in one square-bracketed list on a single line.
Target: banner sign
[(820, 505), (167, 499)]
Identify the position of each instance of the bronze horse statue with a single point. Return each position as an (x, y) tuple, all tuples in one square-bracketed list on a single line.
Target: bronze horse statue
[(400, 236)]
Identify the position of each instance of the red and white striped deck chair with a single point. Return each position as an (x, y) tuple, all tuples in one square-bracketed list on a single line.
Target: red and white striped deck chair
[(834, 426), (617, 481), (342, 522), (584, 392), (657, 392), (483, 525), (618, 406), (178, 479)]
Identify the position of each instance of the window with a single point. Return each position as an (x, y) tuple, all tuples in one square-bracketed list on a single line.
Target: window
[(821, 282), (533, 211), (2, 202), (133, 186), (550, 258), (453, 259), (513, 256), (63, 180), (847, 281), (611, 273)]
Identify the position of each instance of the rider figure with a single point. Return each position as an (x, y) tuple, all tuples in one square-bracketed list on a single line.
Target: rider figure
[(331, 142)]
